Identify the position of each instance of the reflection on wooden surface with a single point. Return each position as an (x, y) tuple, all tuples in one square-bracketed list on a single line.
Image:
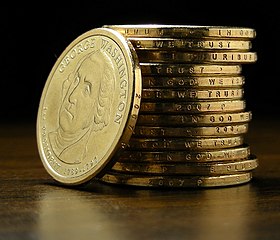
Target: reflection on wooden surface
[(33, 206)]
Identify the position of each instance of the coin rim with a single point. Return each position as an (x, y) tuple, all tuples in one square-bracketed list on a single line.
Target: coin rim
[(182, 28), (148, 181), (196, 168)]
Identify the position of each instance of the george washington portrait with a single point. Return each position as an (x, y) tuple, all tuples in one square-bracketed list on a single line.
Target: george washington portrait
[(85, 108)]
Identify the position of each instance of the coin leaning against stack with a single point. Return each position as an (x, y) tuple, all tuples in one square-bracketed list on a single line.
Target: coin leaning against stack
[(149, 105), (193, 117)]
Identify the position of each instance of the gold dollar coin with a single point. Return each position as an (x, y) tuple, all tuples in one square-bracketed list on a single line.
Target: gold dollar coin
[(187, 143), (183, 44), (214, 131), (226, 154), (176, 181), (190, 168), (188, 69), (220, 57), (89, 106), (193, 107), (208, 82), (152, 94), (192, 31), (205, 119)]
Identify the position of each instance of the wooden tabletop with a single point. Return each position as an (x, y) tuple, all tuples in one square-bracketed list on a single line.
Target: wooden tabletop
[(33, 206)]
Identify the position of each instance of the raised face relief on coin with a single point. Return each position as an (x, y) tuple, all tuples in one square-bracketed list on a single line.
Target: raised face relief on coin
[(89, 106)]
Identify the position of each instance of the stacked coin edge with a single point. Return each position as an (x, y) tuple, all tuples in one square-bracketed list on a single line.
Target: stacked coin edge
[(193, 117)]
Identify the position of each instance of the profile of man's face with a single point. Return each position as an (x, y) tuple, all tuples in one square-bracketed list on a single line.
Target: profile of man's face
[(76, 112)]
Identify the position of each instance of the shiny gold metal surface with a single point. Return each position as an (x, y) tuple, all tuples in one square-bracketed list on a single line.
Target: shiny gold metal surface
[(209, 131), (204, 119), (192, 31), (221, 106), (187, 69), (227, 154), (212, 81), (191, 94), (189, 168), (183, 44), (89, 106), (190, 143), (177, 181), (213, 57)]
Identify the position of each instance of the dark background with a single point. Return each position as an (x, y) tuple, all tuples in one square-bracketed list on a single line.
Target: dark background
[(33, 38)]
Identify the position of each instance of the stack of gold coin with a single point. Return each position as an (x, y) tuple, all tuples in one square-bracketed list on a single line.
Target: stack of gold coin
[(149, 105), (193, 117)]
